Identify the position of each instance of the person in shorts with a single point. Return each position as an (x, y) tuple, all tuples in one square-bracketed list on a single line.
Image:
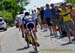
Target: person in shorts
[(54, 18), (42, 17), (34, 17), (68, 24), (47, 18)]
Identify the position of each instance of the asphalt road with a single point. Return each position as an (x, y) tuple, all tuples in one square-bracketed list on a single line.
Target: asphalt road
[(11, 41)]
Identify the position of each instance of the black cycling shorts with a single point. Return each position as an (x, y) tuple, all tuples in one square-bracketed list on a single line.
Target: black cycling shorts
[(30, 26)]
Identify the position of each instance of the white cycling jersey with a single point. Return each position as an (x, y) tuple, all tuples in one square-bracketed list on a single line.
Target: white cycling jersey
[(19, 18)]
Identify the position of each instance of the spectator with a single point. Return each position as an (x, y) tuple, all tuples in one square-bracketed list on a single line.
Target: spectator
[(42, 17), (72, 13), (47, 18), (53, 18), (34, 17), (68, 24), (39, 19)]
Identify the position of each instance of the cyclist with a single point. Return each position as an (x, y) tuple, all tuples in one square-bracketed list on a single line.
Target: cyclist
[(19, 18), (27, 24)]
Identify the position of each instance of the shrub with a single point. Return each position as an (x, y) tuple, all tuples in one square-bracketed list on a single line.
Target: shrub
[(7, 16)]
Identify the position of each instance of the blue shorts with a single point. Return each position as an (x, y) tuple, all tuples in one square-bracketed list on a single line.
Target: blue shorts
[(48, 22)]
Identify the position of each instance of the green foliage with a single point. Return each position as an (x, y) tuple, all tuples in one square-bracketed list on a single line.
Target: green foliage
[(9, 9), (23, 2), (7, 16), (71, 1)]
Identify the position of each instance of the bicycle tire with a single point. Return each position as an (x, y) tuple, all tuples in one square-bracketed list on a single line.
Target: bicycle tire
[(35, 47), (34, 44), (27, 40)]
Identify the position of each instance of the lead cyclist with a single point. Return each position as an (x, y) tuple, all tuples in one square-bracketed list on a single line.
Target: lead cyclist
[(29, 23)]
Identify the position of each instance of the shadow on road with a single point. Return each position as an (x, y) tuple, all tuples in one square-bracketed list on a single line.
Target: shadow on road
[(33, 52), (46, 36), (2, 31), (66, 43), (22, 48)]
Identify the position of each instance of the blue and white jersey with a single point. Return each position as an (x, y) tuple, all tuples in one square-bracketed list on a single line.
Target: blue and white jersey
[(27, 19)]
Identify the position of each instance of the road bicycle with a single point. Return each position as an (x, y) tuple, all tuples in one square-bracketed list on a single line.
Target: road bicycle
[(30, 39)]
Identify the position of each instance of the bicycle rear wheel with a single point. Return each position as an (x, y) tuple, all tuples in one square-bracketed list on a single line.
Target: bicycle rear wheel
[(27, 40), (35, 47), (34, 44)]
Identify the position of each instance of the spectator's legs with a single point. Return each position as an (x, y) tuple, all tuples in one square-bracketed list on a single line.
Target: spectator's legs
[(68, 35), (50, 29), (73, 32)]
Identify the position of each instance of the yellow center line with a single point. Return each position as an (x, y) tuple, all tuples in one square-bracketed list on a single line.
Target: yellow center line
[(58, 50)]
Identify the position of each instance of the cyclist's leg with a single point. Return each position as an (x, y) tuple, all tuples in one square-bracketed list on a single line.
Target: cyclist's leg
[(30, 37), (25, 32), (36, 39), (33, 28), (22, 31), (19, 25), (27, 38)]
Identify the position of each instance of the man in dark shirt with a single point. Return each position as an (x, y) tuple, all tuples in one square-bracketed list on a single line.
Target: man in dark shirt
[(42, 17)]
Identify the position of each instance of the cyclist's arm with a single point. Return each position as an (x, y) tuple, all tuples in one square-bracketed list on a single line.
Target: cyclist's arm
[(23, 27)]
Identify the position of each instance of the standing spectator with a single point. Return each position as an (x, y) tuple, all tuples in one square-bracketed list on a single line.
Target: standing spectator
[(57, 20), (39, 19), (68, 24), (47, 18), (72, 13), (42, 17), (53, 18), (34, 17)]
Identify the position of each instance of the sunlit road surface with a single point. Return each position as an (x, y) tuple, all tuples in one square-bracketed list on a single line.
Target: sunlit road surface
[(11, 41)]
